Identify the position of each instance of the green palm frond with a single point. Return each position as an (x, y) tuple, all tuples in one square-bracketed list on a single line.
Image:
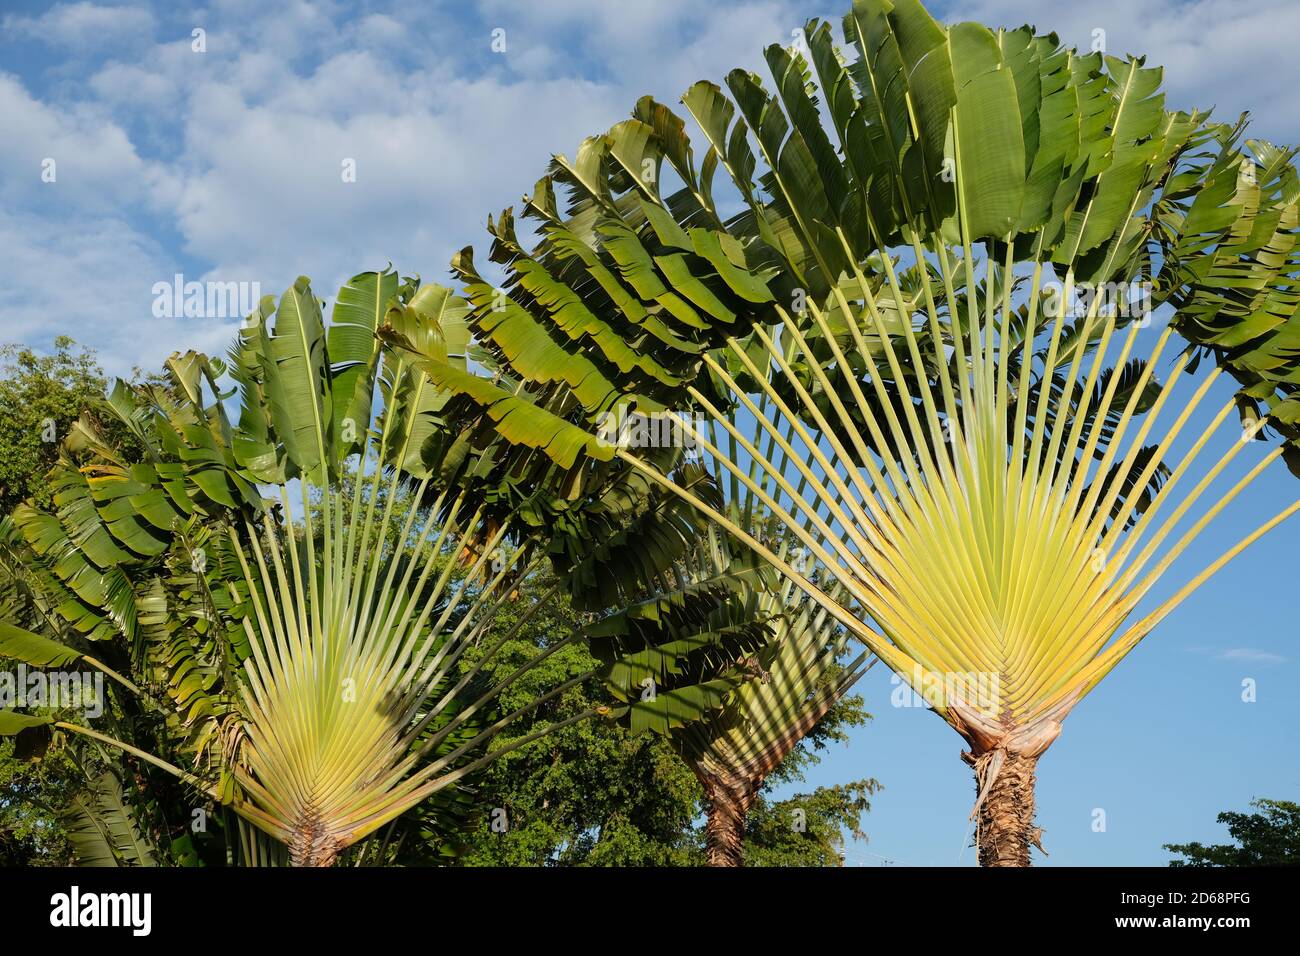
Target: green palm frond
[(102, 828)]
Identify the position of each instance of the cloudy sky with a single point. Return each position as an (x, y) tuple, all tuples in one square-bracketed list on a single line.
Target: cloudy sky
[(228, 163)]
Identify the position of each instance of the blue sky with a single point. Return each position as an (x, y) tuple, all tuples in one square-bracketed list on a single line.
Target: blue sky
[(225, 165)]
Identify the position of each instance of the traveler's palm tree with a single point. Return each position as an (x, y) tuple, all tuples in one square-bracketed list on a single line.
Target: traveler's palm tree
[(735, 741), (802, 676), (292, 621), (962, 423), (734, 708)]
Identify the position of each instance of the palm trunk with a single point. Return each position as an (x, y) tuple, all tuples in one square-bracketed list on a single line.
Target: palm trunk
[(728, 806), (310, 844), (321, 858), (1004, 827), (730, 792)]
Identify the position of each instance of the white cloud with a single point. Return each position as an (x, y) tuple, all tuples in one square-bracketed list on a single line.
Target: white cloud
[(1251, 656), (291, 30), (267, 192), (92, 278), (378, 29), (662, 47), (95, 165), (134, 87), (84, 26)]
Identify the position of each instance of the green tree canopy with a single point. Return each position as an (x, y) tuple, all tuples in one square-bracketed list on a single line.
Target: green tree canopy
[(40, 397), (1270, 837)]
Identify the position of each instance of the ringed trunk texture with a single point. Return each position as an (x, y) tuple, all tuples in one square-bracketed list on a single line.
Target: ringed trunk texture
[(730, 785), (311, 844), (729, 803), (1004, 812)]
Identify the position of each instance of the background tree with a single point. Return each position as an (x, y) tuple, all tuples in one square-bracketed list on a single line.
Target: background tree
[(32, 795), (1270, 837), (40, 397)]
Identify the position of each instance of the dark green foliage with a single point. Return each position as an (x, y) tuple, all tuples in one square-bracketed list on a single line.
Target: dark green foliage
[(40, 397), (595, 794), (1270, 837), (31, 792)]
